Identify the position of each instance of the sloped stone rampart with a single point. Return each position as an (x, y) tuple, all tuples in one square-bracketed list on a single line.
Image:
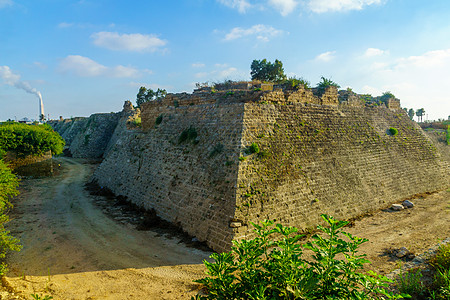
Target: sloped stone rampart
[(188, 182), (190, 160), (336, 160), (87, 137)]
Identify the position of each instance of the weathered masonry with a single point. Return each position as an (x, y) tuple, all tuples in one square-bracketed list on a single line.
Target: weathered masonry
[(192, 159)]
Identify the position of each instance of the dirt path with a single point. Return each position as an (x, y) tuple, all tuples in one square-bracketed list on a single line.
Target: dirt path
[(72, 250)]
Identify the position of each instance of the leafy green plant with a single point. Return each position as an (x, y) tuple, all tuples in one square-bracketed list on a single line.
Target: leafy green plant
[(216, 150), (37, 297), (393, 131), (137, 122), (411, 283), (324, 84), (270, 267), (187, 135), (8, 188), (295, 82), (242, 158), (26, 139), (442, 258), (253, 148), (159, 119), (447, 138)]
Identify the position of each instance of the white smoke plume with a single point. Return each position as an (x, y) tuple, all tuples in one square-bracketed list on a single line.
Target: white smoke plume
[(12, 79)]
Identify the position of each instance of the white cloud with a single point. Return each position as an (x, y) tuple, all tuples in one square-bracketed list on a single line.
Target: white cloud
[(322, 6), (86, 67), (326, 56), (198, 65), (221, 72), (431, 59), (417, 80), (241, 5), (40, 65), (262, 32), (371, 52), (5, 3), (284, 6), (65, 25), (128, 42)]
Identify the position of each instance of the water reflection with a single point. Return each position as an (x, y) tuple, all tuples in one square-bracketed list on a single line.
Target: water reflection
[(46, 168)]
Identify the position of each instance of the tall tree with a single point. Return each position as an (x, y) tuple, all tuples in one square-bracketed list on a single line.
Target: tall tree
[(146, 95), (420, 113), (140, 97), (411, 113), (266, 71)]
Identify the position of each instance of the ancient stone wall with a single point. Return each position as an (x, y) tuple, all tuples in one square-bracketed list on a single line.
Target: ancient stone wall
[(87, 137), (191, 162), (184, 167), (326, 159)]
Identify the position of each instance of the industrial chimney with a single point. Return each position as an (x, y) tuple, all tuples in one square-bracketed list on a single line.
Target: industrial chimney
[(41, 108)]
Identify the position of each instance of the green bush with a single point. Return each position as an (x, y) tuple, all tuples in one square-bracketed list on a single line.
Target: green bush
[(270, 267), (410, 282), (324, 84), (393, 131), (216, 150), (137, 122), (26, 139), (447, 138), (8, 188), (253, 148), (187, 134)]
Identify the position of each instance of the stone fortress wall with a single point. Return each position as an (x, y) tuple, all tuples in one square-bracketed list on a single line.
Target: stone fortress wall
[(331, 154)]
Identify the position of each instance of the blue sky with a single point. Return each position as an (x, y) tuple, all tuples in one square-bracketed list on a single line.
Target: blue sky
[(90, 56)]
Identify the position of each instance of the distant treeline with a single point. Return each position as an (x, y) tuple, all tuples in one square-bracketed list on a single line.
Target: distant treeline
[(26, 139)]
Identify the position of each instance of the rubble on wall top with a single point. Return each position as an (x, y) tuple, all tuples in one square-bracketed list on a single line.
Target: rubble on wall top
[(254, 91)]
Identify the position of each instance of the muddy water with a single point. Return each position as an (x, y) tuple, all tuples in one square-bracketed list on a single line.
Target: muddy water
[(46, 168)]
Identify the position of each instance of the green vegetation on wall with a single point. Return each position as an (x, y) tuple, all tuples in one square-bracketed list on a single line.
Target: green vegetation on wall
[(324, 83), (29, 139), (393, 131)]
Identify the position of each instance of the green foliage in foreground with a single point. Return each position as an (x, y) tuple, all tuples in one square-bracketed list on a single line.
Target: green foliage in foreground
[(447, 138), (268, 267), (8, 188), (37, 297), (411, 281), (29, 139)]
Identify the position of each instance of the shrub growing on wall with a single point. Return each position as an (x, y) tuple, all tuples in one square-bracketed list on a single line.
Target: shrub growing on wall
[(393, 131)]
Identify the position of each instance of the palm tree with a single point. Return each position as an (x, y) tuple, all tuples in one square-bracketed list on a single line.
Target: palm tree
[(420, 113)]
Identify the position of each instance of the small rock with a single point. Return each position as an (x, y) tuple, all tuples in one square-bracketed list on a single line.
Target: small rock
[(408, 204), (402, 252), (411, 256), (235, 224), (194, 240), (397, 207)]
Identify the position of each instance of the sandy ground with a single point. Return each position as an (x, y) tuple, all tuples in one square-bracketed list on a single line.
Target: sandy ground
[(73, 250)]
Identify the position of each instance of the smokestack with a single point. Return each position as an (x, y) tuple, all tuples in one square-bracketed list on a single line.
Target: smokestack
[(41, 107), (14, 80)]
